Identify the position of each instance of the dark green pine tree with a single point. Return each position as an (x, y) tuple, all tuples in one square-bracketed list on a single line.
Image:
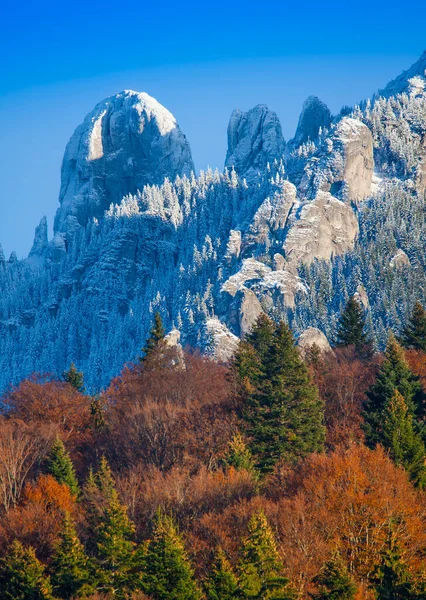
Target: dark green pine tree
[(156, 339), (393, 580), (262, 335), (351, 328), (394, 374), (115, 551), (261, 572), (60, 466), (334, 581), (22, 575), (70, 568), (75, 378), (284, 414), (222, 583), (398, 436), (167, 572), (247, 364), (414, 334), (98, 491)]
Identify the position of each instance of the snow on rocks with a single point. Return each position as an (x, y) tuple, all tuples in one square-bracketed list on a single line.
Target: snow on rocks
[(224, 342), (128, 140), (400, 260), (254, 139)]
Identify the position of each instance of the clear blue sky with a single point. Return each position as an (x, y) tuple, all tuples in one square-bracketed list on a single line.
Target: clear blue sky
[(201, 60)]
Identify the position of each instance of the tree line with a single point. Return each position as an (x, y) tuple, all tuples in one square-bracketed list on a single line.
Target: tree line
[(277, 476)]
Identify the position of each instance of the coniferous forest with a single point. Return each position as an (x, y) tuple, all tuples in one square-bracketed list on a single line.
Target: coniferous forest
[(282, 474)]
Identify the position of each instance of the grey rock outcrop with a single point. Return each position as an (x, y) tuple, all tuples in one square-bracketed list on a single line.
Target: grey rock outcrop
[(127, 141), (224, 342), (344, 163), (315, 115), (313, 337), (326, 227), (40, 243), (254, 139), (250, 310), (400, 260)]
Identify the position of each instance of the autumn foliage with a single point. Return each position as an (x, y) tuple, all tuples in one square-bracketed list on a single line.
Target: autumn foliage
[(164, 465)]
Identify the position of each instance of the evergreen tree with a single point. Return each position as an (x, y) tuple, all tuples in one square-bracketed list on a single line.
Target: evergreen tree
[(262, 335), (115, 555), (403, 442), (167, 573), (104, 479), (392, 578), (261, 570), (351, 328), (70, 567), (239, 455), (222, 583), (334, 581), (414, 334), (97, 414), (156, 338), (75, 378), (284, 414), (22, 575), (394, 374), (60, 466)]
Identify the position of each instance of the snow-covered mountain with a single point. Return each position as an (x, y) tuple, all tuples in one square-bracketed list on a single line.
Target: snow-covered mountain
[(291, 229)]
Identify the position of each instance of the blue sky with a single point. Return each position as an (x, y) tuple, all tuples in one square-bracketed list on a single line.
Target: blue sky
[(199, 60)]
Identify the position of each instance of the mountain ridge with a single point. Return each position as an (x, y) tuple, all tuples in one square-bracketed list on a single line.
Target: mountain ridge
[(291, 229)]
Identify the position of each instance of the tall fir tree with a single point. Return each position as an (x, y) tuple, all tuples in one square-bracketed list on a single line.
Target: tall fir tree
[(115, 551), (22, 575), (392, 578), (334, 581), (70, 568), (60, 466), (394, 374), (251, 352), (261, 572), (398, 436), (283, 413), (222, 583), (351, 328), (167, 572), (414, 333), (155, 341), (75, 378)]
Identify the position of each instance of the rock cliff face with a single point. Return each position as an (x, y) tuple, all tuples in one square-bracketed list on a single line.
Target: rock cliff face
[(326, 227), (254, 139), (127, 141)]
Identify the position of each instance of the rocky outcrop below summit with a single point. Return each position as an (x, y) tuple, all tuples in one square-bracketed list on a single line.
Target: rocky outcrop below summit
[(343, 164)]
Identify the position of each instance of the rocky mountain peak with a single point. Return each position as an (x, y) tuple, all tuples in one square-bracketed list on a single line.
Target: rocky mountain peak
[(40, 238), (127, 141), (254, 139), (315, 115)]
